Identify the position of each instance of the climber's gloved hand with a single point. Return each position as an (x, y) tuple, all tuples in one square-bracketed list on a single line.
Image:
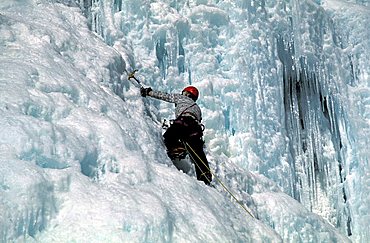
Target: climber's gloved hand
[(145, 91)]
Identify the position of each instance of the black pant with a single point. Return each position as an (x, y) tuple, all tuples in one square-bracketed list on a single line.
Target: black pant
[(185, 131)]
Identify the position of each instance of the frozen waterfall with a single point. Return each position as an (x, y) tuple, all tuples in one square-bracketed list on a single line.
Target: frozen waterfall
[(285, 99)]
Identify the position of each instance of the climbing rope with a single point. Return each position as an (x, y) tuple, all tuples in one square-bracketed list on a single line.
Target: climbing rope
[(187, 145)]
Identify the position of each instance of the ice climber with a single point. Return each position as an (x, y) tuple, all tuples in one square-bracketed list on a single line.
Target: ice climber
[(186, 130)]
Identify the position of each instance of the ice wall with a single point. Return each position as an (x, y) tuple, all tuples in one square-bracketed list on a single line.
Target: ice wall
[(314, 114), (274, 77), (81, 153), (80, 161), (354, 42)]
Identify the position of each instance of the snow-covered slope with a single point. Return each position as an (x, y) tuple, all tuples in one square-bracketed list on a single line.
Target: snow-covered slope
[(81, 155)]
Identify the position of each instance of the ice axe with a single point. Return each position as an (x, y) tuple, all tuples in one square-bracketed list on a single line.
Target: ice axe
[(132, 76)]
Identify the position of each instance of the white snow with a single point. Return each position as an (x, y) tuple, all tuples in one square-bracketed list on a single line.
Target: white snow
[(81, 153)]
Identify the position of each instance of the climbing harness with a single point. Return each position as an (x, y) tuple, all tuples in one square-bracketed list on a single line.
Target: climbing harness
[(187, 145)]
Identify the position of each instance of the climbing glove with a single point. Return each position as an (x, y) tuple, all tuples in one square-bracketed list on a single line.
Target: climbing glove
[(145, 91)]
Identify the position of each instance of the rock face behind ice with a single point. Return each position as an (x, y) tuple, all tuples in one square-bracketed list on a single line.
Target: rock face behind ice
[(81, 155)]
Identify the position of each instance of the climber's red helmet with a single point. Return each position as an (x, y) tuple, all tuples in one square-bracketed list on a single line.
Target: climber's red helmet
[(192, 92)]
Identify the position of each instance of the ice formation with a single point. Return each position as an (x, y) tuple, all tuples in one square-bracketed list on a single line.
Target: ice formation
[(284, 93)]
